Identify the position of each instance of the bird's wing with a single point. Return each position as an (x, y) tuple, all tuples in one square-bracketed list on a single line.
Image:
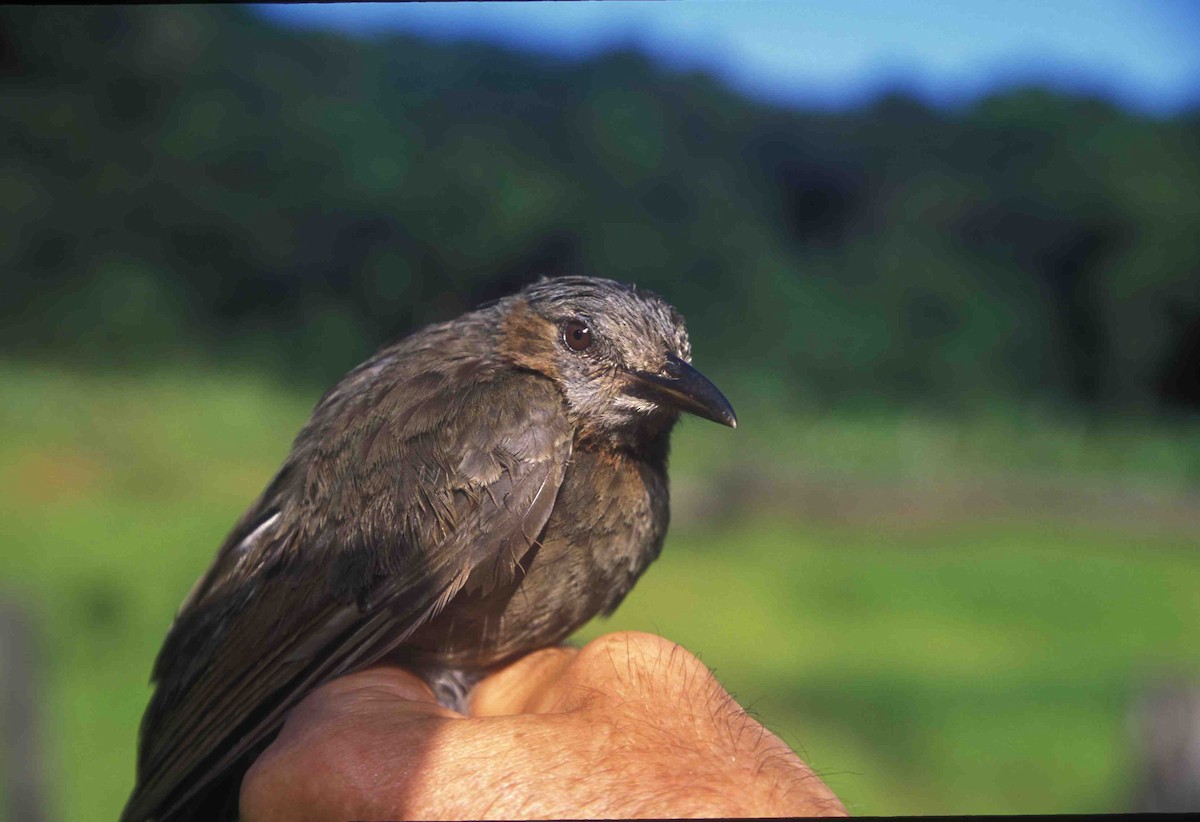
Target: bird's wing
[(366, 532)]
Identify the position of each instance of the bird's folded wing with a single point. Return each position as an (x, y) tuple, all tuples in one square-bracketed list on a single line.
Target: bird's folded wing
[(365, 533)]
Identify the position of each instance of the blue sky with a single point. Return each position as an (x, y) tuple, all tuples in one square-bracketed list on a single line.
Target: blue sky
[(839, 53)]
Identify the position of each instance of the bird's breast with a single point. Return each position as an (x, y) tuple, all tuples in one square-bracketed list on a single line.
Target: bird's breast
[(608, 523)]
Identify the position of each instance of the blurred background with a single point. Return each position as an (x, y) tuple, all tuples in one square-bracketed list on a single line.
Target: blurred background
[(942, 257)]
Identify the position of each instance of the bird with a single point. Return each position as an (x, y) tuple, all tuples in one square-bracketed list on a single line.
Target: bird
[(467, 495)]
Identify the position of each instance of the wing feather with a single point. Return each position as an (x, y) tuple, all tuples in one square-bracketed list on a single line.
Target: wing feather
[(403, 485)]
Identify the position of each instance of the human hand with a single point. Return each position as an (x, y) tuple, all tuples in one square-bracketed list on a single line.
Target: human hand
[(632, 725)]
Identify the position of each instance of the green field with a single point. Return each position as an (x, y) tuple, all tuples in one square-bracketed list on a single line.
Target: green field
[(923, 664)]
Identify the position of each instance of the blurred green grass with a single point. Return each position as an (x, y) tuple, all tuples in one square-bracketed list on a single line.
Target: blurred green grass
[(955, 667)]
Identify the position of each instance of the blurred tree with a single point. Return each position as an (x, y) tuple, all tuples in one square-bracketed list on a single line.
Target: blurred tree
[(195, 177)]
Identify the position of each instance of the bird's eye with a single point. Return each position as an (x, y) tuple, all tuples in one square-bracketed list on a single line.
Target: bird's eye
[(577, 335)]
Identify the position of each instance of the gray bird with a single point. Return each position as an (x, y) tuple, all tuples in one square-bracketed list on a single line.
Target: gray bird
[(475, 492)]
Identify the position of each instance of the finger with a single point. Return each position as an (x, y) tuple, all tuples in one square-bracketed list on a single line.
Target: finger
[(615, 667), (522, 687), (384, 689), (385, 694), (337, 740)]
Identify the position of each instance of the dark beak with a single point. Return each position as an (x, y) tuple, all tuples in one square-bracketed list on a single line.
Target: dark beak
[(683, 387)]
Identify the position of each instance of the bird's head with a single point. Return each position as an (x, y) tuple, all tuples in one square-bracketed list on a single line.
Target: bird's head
[(620, 354)]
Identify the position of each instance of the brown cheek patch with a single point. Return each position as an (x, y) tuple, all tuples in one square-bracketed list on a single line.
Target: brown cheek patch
[(529, 341)]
